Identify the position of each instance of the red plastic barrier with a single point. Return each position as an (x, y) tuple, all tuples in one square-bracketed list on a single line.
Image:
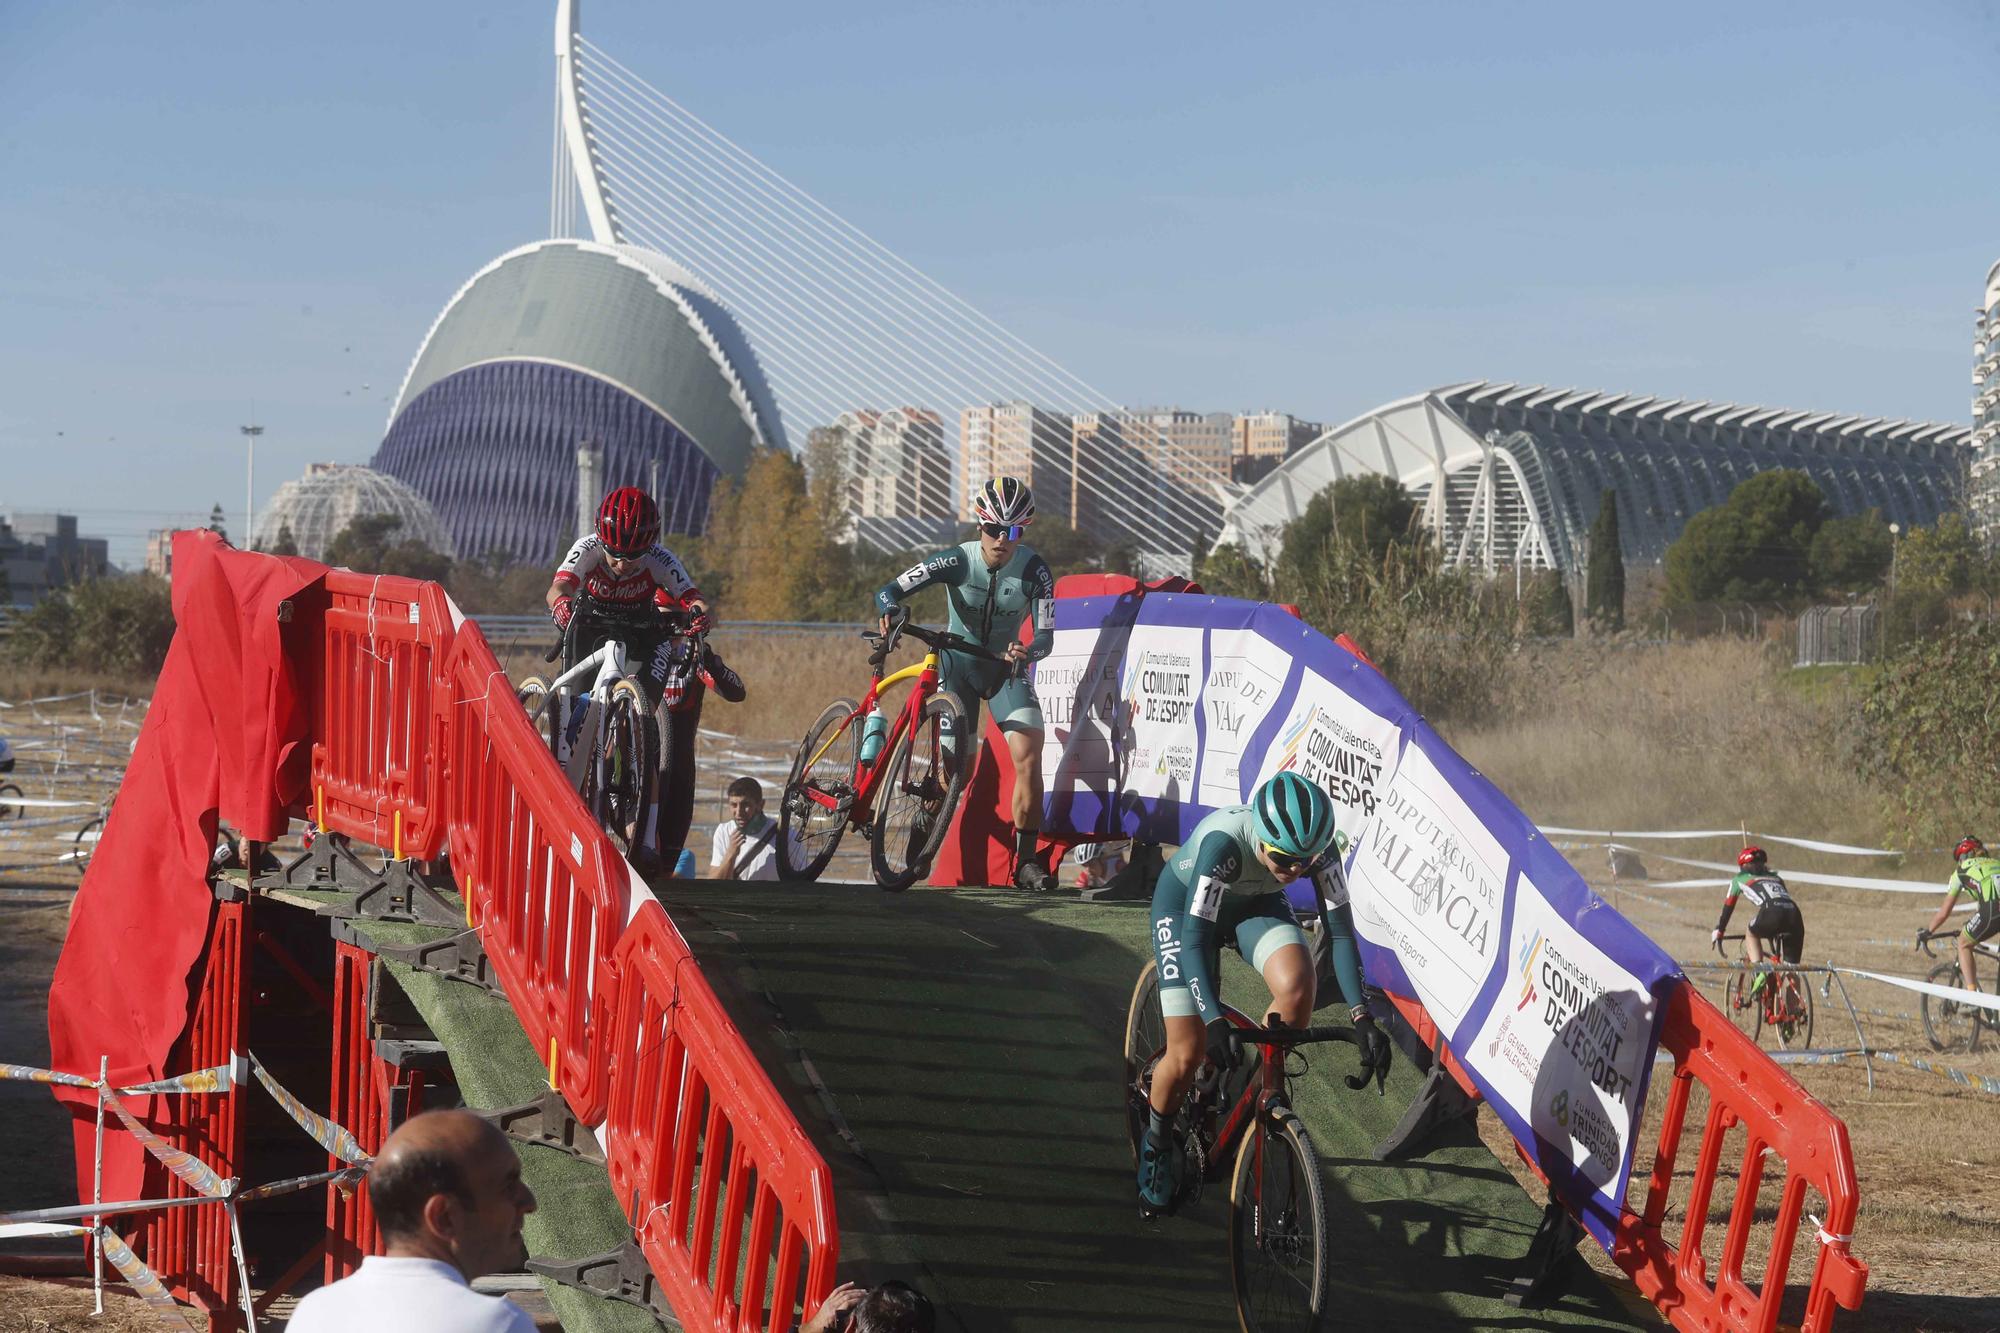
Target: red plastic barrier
[(189, 1247), (1745, 1087), (375, 769), (543, 884), (699, 1143)]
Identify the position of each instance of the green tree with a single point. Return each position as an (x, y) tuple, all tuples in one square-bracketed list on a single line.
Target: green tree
[(1942, 559), (1604, 591), (1231, 571), (286, 544), (1755, 546), (368, 544), (216, 523), (763, 533), (1931, 729), (1850, 554), (1367, 513), (1546, 610), (112, 624)]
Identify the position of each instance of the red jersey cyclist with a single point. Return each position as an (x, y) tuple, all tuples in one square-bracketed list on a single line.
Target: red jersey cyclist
[(625, 570)]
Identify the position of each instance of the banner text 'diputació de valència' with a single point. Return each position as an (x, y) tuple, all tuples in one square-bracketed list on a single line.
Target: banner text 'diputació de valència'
[(1163, 708)]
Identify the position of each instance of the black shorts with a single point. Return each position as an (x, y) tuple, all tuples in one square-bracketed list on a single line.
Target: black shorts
[(1781, 924), (1985, 922)]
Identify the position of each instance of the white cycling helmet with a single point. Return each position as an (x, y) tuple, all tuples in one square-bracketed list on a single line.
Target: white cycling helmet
[(1006, 501)]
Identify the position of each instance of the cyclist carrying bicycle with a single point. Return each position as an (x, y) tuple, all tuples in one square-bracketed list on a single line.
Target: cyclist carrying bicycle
[(623, 568), (991, 586), (1226, 884), (1978, 875), (1777, 927)]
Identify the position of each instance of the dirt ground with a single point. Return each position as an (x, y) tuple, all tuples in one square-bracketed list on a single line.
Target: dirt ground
[(1923, 1146)]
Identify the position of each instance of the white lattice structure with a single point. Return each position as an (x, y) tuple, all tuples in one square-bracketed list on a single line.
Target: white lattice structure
[(319, 505), (1985, 486), (1511, 475), (838, 321)]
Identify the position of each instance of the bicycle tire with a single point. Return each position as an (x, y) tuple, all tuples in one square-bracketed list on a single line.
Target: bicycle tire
[(919, 793), (1278, 1259), (8, 793), (86, 843), (1947, 1023), (632, 772), (1740, 1004), (802, 822), (1794, 1033), (533, 692), (1145, 1039)]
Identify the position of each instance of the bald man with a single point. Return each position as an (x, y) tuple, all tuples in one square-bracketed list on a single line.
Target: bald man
[(449, 1198)]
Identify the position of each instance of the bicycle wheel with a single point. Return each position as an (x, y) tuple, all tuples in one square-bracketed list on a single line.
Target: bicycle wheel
[(920, 790), (86, 844), (1145, 1039), (1949, 1025), (819, 794), (1740, 1004), (631, 771), (1792, 1009), (1278, 1258), (10, 796), (533, 692)]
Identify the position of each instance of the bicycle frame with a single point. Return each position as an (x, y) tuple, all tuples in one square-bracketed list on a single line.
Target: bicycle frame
[(868, 773), (606, 666)]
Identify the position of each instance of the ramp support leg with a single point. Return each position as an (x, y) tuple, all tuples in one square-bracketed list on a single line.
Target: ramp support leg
[(1551, 1259), (1439, 1102)]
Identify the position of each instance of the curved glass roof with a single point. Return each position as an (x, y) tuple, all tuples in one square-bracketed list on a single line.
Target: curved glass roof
[(329, 496)]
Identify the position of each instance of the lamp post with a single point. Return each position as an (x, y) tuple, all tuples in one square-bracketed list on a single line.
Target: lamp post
[(250, 434)]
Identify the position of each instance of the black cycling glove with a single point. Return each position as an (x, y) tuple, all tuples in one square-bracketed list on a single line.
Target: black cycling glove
[(1373, 1046), (1222, 1052)]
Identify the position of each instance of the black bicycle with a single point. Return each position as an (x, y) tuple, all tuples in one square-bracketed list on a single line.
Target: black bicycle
[(1949, 1025), (1279, 1262)]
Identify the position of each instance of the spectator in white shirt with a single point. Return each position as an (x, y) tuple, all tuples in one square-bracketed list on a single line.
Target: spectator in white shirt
[(449, 1198), (746, 843)]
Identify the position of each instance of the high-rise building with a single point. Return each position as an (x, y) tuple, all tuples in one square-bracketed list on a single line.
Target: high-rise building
[(1984, 491), (1135, 454), (899, 489), (1016, 440), (1273, 434), (39, 552)]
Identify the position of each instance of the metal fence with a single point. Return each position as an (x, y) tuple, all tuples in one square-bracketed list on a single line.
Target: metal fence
[(1839, 635), (505, 632)]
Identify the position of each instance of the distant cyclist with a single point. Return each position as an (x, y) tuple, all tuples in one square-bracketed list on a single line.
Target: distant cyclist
[(1226, 885), (624, 568), (991, 586), (1777, 927), (1977, 875)]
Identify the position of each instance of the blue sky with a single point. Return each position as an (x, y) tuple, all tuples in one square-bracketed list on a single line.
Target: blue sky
[(225, 212)]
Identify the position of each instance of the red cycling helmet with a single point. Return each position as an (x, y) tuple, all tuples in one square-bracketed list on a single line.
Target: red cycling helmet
[(1970, 847), (1749, 855), (628, 522)]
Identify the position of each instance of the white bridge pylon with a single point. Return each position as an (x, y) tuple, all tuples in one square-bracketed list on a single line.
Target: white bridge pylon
[(842, 325)]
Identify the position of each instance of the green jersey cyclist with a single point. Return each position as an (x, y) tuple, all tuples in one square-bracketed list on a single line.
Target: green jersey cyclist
[(1226, 884), (991, 586), (1977, 874)]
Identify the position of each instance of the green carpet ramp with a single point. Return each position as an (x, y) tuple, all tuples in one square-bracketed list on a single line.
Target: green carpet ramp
[(957, 1056)]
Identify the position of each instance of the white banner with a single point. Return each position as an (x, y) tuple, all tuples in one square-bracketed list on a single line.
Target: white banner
[(1335, 743), (1246, 672), (1163, 672), (1568, 1038), (1079, 698), (1427, 883)]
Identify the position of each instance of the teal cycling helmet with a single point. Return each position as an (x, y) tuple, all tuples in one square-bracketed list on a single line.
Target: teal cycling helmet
[(1294, 817)]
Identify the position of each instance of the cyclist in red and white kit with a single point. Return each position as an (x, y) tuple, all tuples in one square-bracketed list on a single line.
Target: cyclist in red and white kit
[(624, 570)]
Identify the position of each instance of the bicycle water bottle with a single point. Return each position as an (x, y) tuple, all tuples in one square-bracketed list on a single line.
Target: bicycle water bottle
[(873, 728)]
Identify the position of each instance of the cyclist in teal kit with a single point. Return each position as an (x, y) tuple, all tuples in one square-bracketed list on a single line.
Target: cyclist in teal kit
[(991, 586), (1227, 884)]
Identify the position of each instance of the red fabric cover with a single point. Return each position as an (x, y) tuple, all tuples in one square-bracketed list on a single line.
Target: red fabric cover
[(225, 736), (980, 847)]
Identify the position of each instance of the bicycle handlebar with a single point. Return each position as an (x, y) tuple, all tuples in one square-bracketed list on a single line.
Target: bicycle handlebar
[(938, 639), (646, 616), (1288, 1037)]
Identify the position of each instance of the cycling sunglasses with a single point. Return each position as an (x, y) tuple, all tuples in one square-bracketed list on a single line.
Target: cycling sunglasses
[(1012, 534), (1286, 863), (626, 555)]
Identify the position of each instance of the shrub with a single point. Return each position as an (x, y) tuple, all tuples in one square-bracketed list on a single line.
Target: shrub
[(118, 625), (1932, 728)]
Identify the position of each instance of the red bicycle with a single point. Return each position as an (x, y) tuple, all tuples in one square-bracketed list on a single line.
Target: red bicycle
[(905, 793)]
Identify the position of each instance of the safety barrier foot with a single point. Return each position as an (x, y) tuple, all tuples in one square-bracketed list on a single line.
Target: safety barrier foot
[(1551, 1259), (459, 957), (546, 1120), (401, 891), (1438, 1102), (621, 1274)]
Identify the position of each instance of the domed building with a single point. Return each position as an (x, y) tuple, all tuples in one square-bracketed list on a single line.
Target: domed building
[(317, 506), (566, 343)]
